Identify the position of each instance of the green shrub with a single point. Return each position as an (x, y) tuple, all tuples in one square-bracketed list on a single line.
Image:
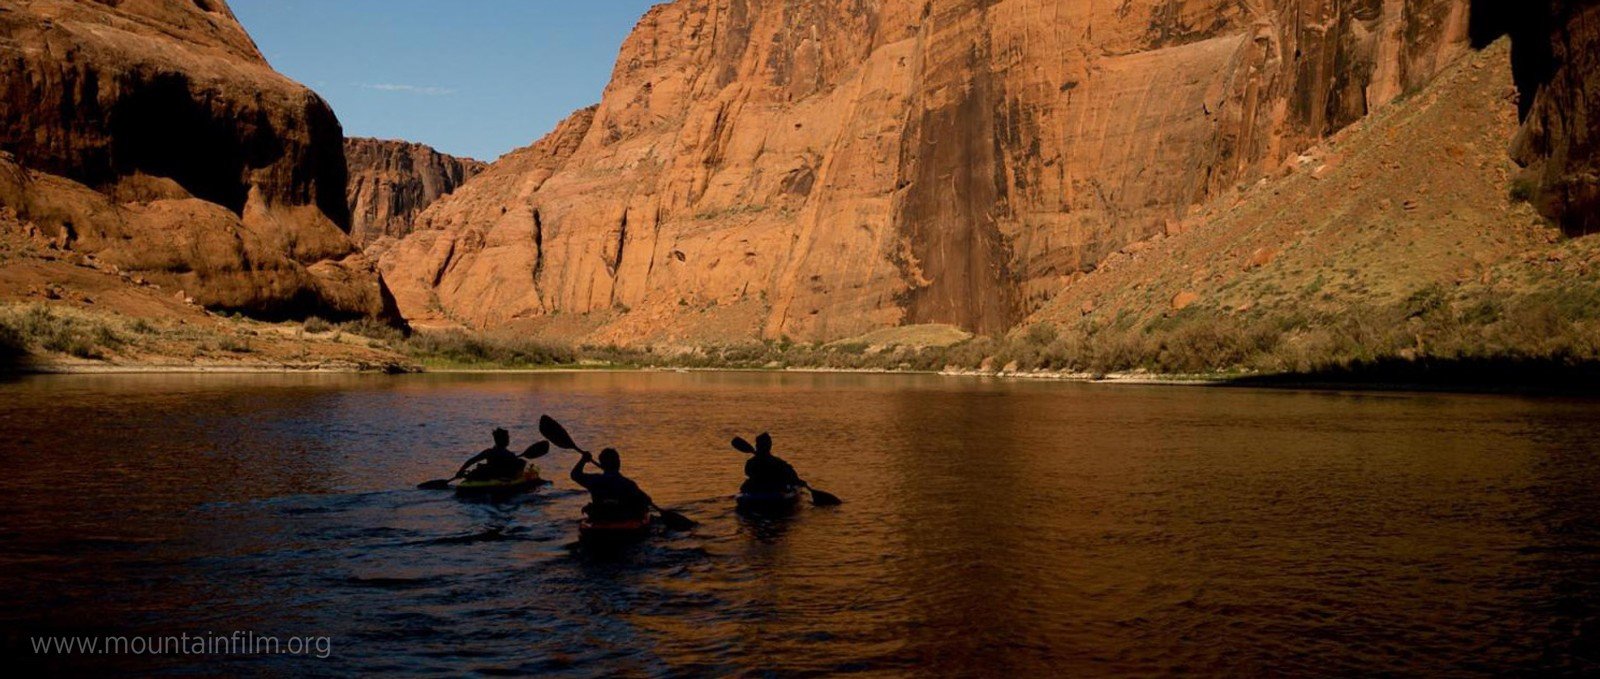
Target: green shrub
[(459, 347), (373, 328), (235, 344), (42, 328), (1041, 334), (1523, 189)]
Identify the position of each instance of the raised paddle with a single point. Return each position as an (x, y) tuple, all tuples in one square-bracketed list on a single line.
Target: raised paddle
[(558, 435), (533, 452), (820, 498), (537, 450), (551, 429)]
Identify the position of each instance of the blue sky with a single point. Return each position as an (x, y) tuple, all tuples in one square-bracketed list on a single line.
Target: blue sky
[(468, 77)]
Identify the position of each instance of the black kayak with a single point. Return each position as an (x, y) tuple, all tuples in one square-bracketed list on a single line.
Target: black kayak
[(768, 502)]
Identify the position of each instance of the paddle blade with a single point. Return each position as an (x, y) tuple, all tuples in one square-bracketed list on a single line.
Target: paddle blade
[(674, 520), (743, 446), (557, 434), (822, 498), (764, 443), (436, 484), (537, 450)]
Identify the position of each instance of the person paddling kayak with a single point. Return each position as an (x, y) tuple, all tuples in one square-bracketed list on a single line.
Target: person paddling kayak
[(766, 473), (770, 482), (612, 496), (496, 463)]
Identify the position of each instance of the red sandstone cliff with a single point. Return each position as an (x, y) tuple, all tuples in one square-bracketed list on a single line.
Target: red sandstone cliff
[(392, 181), (818, 169), (152, 135)]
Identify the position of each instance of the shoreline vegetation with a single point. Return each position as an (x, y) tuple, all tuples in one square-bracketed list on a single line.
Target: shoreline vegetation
[(1437, 338)]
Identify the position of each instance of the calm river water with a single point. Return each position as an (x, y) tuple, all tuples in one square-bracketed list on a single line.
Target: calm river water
[(989, 527)]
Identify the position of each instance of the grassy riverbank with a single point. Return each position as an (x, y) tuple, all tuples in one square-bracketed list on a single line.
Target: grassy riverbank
[(1448, 338)]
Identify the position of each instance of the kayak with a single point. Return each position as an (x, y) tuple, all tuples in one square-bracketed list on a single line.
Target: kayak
[(528, 481), (623, 529), (781, 501)]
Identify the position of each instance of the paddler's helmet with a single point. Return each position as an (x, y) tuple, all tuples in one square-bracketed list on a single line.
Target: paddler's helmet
[(610, 460)]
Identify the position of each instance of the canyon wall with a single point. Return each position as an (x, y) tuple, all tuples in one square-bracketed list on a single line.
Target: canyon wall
[(1556, 50), (817, 169), (153, 136), (392, 181)]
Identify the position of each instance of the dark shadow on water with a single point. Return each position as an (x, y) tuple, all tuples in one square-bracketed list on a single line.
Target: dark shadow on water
[(1496, 375), (766, 527), (13, 355), (490, 534), (504, 499), (390, 583), (608, 552)]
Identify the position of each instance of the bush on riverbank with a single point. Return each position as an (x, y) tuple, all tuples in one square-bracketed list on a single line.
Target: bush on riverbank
[(1558, 326), (1436, 332), (39, 328), (458, 348)]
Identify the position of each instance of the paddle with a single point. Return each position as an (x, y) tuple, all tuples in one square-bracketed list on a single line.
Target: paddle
[(820, 498), (537, 450), (558, 435), (437, 484), (533, 452)]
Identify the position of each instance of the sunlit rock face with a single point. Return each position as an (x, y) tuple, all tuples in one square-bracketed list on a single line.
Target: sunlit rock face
[(392, 181), (838, 166), (154, 135)]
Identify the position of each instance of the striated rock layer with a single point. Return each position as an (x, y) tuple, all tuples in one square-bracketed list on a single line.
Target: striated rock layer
[(153, 135), (392, 181), (822, 168)]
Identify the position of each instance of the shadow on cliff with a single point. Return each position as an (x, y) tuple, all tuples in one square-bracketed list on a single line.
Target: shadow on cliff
[(1533, 62), (1513, 375)]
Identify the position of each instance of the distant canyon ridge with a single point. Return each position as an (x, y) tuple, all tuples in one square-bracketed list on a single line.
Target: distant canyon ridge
[(805, 169), (392, 181)]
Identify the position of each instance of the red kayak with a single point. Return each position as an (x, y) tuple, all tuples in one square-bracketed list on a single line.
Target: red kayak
[(622, 529)]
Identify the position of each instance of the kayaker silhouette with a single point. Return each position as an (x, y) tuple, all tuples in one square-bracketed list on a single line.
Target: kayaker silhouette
[(771, 483), (495, 463), (767, 473), (612, 496)]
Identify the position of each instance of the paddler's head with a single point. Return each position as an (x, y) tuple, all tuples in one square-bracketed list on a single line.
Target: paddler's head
[(610, 461), (502, 438)]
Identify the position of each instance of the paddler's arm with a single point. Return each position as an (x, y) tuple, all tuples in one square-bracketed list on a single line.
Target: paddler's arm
[(578, 476), (471, 461)]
